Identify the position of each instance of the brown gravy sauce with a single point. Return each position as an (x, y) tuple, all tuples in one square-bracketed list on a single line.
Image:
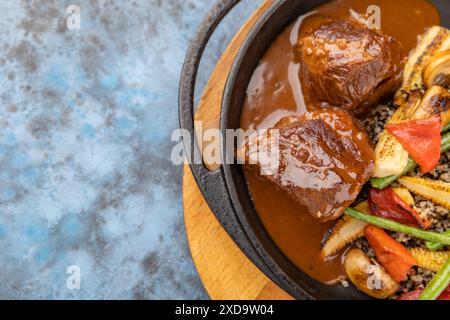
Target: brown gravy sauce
[(275, 92)]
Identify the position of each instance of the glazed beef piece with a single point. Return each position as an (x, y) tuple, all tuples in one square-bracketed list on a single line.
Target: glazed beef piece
[(344, 64), (324, 159)]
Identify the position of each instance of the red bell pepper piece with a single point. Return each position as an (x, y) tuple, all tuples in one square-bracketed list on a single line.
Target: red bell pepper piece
[(422, 140), (387, 204), (414, 295), (445, 295), (391, 254)]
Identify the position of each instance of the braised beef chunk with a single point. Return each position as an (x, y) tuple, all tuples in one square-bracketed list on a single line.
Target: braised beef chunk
[(344, 64), (324, 160)]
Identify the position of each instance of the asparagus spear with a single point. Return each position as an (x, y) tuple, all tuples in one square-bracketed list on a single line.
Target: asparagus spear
[(436, 246), (398, 227), (438, 284)]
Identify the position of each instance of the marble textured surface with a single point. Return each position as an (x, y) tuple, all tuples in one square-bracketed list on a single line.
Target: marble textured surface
[(85, 123)]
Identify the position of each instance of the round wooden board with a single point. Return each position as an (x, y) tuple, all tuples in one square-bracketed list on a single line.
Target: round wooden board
[(226, 272)]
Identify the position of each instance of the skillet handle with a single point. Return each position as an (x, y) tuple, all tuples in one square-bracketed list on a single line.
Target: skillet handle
[(211, 183)]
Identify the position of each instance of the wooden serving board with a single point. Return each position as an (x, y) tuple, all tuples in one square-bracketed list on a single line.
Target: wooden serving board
[(225, 271)]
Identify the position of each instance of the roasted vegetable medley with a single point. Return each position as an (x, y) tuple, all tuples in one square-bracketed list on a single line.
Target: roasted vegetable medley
[(398, 231)]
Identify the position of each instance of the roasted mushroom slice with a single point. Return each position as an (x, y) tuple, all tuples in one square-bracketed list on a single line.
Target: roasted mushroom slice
[(368, 276), (437, 71), (435, 40), (435, 101)]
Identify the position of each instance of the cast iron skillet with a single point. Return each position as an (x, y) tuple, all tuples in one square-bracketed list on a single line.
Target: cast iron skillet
[(225, 189)]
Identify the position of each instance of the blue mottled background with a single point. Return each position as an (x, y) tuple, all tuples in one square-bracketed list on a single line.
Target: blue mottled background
[(85, 123)]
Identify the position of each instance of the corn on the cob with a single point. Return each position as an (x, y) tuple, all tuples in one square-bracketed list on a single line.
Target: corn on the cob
[(408, 198), (345, 231), (431, 260), (433, 190), (405, 195)]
